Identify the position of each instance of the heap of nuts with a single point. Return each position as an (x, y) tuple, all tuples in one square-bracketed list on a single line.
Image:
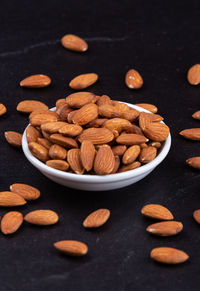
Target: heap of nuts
[(93, 134)]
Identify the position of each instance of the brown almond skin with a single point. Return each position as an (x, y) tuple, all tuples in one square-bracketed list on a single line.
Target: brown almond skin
[(193, 75), (157, 211), (36, 81), (74, 43), (58, 165), (66, 142), (3, 109), (87, 152), (118, 124), (117, 164), (194, 162), (14, 138), (97, 122), (85, 114), (129, 167), (97, 218), (40, 152), (71, 130), (96, 135), (147, 154), (133, 79), (131, 154), (168, 255), (156, 131), (130, 114), (192, 133), (196, 215), (40, 111), (155, 144), (60, 103), (165, 228), (71, 247), (53, 127), (10, 199), (42, 217), (119, 150), (109, 111), (104, 99), (63, 112), (32, 134), (28, 106), (74, 160), (11, 222), (44, 142), (26, 191), (196, 115), (56, 152), (150, 107), (83, 81), (39, 119), (131, 139), (104, 161), (79, 99)]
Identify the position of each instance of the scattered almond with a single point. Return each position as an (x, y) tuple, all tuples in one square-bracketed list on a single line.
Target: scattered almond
[(133, 79), (42, 217), (157, 211), (165, 228), (11, 222), (196, 215), (13, 138), (26, 191), (83, 81), (3, 109), (71, 247), (96, 218), (194, 162), (10, 199), (192, 133), (193, 75), (168, 255), (196, 115), (74, 43), (28, 106), (36, 81)]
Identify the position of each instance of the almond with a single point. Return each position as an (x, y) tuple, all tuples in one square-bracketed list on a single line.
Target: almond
[(131, 139), (28, 106), (104, 99), (146, 118), (96, 122), (79, 99), (143, 145), (42, 217), (56, 152), (11, 222), (74, 160), (9, 199), (87, 152), (13, 138), (83, 81), (39, 119), (116, 166), (131, 154), (53, 127), (133, 79), (26, 191), (168, 255), (58, 165), (66, 142), (129, 167), (105, 161), (71, 247), (42, 111), (32, 134), (192, 133), (63, 111), (109, 111), (155, 144), (70, 116), (96, 218), (194, 162), (193, 75), (165, 228), (147, 154), (46, 135), (86, 114), (196, 115), (150, 107), (74, 43), (122, 107), (44, 142), (157, 211), (119, 150), (118, 124), (131, 114), (157, 131), (40, 152), (2, 109), (71, 129), (196, 215), (60, 103), (96, 135), (36, 81)]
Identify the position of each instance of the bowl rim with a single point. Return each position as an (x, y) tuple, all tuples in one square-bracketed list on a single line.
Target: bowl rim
[(97, 178)]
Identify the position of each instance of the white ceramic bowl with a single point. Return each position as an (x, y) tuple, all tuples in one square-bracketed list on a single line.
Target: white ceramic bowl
[(95, 182)]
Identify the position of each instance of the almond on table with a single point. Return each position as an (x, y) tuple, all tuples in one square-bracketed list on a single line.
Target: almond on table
[(194, 162), (193, 75), (71, 247), (196, 215), (28, 106), (157, 211), (14, 138), (97, 218), (10, 199), (133, 79), (74, 43), (26, 191), (42, 217), (83, 81), (11, 222), (191, 133), (3, 109), (168, 255), (36, 81), (165, 228)]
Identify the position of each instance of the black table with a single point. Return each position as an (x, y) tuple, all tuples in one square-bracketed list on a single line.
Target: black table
[(161, 40)]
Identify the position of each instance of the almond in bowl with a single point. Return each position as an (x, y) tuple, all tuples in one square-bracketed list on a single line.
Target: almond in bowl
[(90, 133)]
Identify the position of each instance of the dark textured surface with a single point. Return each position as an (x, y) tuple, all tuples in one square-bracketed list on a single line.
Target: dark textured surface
[(161, 40)]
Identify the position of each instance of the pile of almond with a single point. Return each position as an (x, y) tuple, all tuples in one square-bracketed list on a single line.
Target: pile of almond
[(92, 134)]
